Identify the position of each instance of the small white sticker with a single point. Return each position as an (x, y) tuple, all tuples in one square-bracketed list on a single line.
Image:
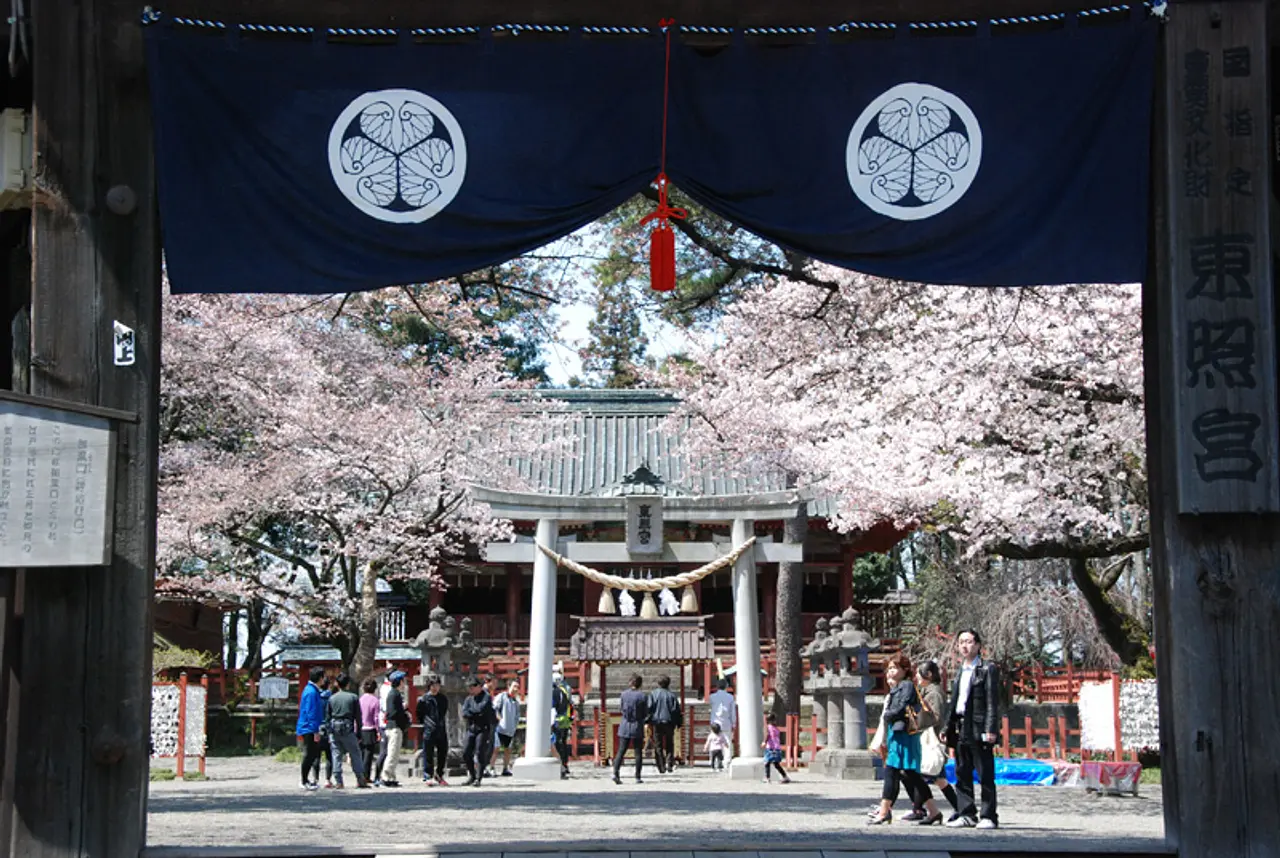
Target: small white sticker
[(126, 346)]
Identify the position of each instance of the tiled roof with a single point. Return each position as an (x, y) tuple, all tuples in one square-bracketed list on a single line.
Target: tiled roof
[(617, 431), (669, 640)]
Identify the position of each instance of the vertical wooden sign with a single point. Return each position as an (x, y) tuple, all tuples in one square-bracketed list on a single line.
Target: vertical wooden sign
[(1223, 328)]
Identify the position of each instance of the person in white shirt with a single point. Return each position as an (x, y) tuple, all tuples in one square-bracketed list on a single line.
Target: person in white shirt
[(507, 706), (972, 728), (724, 711)]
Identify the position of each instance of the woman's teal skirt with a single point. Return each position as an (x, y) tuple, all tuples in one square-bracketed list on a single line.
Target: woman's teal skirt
[(903, 751)]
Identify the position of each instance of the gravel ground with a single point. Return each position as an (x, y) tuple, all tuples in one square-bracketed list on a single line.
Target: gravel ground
[(257, 802)]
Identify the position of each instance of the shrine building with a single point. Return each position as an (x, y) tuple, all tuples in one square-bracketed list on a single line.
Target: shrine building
[(623, 447)]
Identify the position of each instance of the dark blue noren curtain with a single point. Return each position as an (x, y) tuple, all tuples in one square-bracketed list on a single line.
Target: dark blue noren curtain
[(288, 166), (988, 160)]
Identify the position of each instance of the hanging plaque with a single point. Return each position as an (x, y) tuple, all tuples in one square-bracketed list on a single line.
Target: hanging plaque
[(644, 524), (57, 470)]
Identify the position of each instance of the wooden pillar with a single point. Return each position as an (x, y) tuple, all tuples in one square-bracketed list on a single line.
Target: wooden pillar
[(846, 579), (1217, 600), (435, 598), (82, 766), (769, 610), (515, 593), (591, 591)]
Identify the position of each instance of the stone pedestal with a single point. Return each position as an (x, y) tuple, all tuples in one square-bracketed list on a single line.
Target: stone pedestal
[(746, 769), (537, 768), (842, 765)]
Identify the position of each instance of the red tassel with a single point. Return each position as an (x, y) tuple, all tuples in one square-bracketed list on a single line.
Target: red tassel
[(662, 257), (662, 241)]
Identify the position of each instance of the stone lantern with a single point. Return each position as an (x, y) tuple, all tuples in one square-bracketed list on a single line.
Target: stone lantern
[(839, 680), (454, 656)]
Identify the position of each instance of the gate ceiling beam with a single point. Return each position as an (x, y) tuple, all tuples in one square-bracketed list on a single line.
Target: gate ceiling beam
[(407, 14)]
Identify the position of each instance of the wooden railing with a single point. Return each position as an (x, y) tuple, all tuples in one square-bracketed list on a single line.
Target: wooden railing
[(391, 627), (1053, 684)]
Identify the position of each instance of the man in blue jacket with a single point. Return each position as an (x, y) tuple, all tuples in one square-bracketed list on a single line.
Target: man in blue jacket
[(310, 719)]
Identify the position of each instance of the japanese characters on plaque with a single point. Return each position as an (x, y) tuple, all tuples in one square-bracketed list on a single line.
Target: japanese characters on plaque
[(644, 524), (1221, 289), (56, 478)]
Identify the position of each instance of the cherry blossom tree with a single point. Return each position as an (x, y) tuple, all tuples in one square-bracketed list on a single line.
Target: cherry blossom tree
[(1010, 419), (303, 458)]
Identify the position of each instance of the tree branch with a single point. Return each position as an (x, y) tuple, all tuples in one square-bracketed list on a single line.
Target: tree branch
[(1067, 549), (794, 272)]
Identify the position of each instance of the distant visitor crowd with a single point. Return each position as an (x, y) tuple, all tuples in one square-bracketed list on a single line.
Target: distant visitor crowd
[(917, 732)]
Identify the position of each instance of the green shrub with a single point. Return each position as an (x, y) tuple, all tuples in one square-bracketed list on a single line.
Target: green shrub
[(1150, 776), (195, 776), (163, 774), (291, 754)]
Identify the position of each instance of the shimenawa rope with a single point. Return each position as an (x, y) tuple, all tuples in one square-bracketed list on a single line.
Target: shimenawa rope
[(673, 582)]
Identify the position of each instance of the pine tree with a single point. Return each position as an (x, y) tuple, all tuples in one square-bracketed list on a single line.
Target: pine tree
[(616, 351)]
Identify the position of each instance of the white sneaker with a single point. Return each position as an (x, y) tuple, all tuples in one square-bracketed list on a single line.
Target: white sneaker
[(311, 787), (959, 822), (987, 824)]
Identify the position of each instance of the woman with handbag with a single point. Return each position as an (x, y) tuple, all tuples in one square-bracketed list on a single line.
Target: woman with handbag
[(933, 753), (902, 713)]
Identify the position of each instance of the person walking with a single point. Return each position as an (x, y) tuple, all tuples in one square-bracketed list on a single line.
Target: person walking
[(665, 716), (432, 710), (562, 717), (344, 715), (383, 693), (716, 745), (397, 723), (477, 711), (901, 743), (724, 711), (507, 707), (310, 722), (772, 745), (635, 704), (326, 691), (972, 730), (933, 752), (368, 729)]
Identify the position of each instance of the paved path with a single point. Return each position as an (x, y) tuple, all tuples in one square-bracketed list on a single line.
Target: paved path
[(256, 802)]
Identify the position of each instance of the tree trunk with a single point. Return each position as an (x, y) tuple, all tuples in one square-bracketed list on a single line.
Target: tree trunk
[(786, 699), (259, 621), (365, 634), (1122, 632)]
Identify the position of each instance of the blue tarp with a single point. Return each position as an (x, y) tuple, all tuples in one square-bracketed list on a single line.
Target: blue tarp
[(1015, 772)]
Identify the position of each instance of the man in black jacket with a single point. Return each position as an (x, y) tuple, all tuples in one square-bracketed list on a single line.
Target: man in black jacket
[(477, 711), (972, 728), (665, 716), (432, 710), (635, 712)]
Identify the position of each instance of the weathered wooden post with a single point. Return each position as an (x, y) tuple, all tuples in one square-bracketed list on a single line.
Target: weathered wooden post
[(1209, 334), (82, 762)]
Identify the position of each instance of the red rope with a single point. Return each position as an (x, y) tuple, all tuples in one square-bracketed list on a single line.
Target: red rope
[(662, 254), (665, 211), (668, 24)]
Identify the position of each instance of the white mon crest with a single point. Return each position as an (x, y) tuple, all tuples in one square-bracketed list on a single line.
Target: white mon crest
[(913, 152), (398, 155)]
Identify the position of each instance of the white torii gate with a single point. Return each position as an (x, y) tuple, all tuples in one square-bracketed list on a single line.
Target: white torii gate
[(740, 511)]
